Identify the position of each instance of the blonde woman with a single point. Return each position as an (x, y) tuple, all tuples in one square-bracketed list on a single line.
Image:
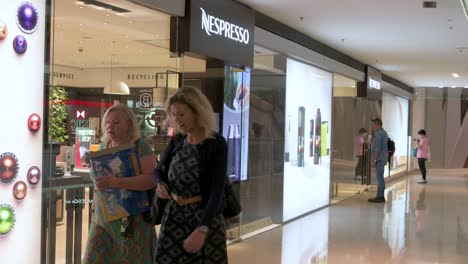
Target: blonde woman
[(107, 243), (194, 169)]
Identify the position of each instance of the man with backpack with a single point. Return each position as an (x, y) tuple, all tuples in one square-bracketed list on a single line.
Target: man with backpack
[(379, 158)]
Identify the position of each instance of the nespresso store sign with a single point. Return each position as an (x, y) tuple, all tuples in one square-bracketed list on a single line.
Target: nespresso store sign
[(215, 25), (372, 87), (220, 29)]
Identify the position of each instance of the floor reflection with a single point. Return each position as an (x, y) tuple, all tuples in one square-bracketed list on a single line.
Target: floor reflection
[(418, 224)]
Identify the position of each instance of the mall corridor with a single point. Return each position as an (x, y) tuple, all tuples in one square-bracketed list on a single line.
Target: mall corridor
[(418, 224)]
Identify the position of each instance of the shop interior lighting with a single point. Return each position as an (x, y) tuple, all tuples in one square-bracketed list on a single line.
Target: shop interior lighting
[(454, 86), (455, 75), (117, 87), (102, 6)]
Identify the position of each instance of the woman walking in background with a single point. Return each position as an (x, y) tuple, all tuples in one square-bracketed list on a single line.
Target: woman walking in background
[(423, 153)]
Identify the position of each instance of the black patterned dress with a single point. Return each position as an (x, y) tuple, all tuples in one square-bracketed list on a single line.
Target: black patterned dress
[(178, 222)]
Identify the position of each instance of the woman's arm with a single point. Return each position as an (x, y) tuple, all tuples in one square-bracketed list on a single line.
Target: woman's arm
[(218, 177)]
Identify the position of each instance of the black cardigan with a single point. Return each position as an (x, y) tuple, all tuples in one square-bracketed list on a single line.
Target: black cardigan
[(213, 169)]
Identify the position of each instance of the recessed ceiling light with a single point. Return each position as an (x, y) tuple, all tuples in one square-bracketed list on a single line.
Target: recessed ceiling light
[(81, 25), (441, 86), (106, 23), (81, 7), (454, 86), (455, 75), (131, 22), (107, 15)]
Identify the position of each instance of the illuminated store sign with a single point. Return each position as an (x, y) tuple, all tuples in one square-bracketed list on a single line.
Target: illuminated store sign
[(374, 84), (214, 25), (372, 87), (220, 29)]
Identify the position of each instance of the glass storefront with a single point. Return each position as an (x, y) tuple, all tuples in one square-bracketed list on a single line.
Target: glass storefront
[(100, 56), (350, 114), (395, 117)]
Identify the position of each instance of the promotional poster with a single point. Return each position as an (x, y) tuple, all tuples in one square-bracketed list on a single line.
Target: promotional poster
[(307, 139), (236, 121), (22, 33)]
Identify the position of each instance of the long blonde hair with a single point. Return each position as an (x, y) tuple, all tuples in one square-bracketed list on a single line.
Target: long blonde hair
[(133, 132), (198, 103)]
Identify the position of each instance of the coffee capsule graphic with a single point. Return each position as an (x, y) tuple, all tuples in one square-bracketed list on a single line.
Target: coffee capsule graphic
[(20, 44), (8, 167), (27, 17), (3, 30), (20, 189), (7, 219)]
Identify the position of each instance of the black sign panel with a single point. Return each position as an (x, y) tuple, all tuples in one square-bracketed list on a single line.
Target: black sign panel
[(372, 87), (220, 29)]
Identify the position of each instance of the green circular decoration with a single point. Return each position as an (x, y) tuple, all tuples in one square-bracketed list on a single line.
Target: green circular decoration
[(7, 219)]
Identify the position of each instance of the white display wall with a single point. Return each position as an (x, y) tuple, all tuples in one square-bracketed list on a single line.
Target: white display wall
[(395, 122), (307, 139), (22, 34)]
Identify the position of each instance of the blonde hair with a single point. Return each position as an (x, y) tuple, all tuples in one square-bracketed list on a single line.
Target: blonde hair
[(134, 130), (198, 103)]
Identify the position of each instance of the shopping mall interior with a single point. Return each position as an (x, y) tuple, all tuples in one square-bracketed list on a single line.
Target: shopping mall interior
[(290, 99)]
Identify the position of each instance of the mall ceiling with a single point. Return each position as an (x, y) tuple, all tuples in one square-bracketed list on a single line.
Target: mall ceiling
[(422, 47), (87, 36)]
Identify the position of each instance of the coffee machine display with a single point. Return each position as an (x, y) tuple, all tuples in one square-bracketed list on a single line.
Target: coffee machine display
[(324, 140), (300, 137), (318, 137), (234, 153)]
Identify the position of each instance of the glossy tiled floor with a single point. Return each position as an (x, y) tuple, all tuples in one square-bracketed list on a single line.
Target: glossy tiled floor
[(418, 224)]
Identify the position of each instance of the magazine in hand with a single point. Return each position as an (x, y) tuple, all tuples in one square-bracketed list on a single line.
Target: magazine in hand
[(122, 162)]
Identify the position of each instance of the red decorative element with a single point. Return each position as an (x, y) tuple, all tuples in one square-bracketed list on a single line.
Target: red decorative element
[(81, 114), (34, 122), (8, 167), (20, 189), (34, 175)]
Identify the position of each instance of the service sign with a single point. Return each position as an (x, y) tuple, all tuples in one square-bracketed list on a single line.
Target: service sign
[(223, 30)]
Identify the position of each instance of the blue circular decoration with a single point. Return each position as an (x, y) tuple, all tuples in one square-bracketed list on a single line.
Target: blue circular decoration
[(20, 45), (27, 17)]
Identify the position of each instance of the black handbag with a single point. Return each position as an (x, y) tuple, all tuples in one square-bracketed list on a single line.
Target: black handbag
[(158, 205), (233, 206)]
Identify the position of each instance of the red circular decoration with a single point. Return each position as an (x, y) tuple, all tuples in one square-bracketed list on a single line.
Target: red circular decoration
[(20, 189), (34, 175), (8, 167), (34, 122)]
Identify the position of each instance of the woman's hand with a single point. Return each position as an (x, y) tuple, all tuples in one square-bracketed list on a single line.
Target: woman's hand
[(195, 241), (109, 181), (162, 192)]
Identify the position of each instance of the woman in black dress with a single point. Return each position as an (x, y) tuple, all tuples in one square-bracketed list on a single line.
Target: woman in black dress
[(194, 169)]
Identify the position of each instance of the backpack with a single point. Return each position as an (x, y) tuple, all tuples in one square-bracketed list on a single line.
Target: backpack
[(391, 147)]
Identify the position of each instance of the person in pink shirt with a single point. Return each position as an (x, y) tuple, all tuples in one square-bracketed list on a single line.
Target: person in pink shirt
[(423, 153), (359, 152)]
